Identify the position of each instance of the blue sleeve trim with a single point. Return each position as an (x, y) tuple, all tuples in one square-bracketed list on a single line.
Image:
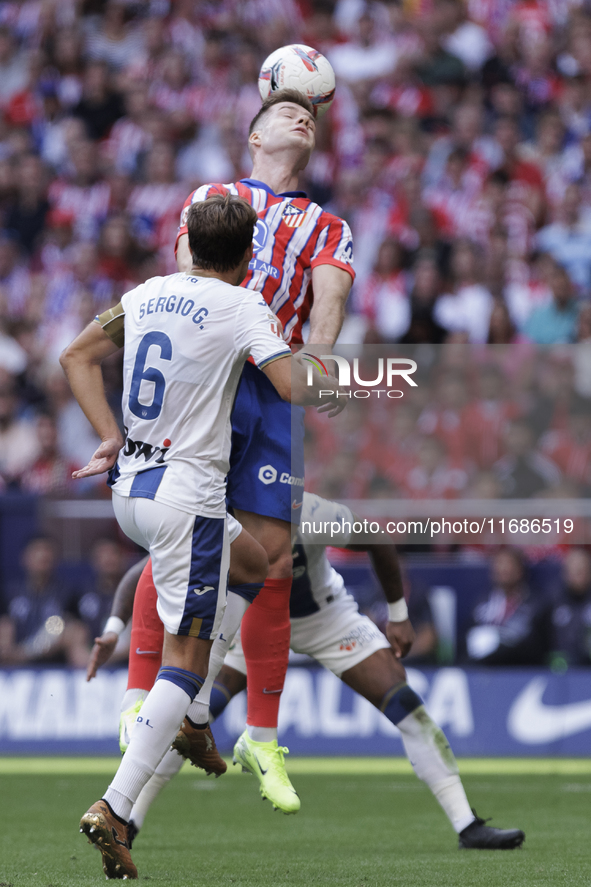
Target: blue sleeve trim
[(273, 357)]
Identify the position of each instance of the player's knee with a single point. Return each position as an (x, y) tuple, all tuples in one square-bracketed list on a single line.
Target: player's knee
[(280, 565), (249, 564), (258, 564)]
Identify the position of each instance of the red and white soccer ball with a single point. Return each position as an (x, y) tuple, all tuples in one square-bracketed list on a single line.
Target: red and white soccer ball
[(299, 67)]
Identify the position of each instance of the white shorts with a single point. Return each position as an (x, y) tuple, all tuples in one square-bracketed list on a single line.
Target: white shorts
[(190, 562), (234, 528), (338, 637)]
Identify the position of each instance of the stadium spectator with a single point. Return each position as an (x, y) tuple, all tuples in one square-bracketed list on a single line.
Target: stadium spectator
[(570, 447), (427, 287), (501, 330), (50, 474), (571, 611), (19, 447), (524, 470), (99, 106), (113, 37), (82, 192), (26, 217), (435, 475), (96, 596), (556, 322), (383, 299), (468, 306), (38, 625), (464, 39), (568, 239), (371, 54), (511, 626), (14, 72)]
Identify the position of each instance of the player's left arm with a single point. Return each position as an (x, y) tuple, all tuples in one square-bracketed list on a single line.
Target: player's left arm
[(81, 362), (121, 611), (332, 278), (386, 565)]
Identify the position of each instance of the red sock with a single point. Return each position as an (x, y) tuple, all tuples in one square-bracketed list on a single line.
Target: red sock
[(147, 635), (265, 634)]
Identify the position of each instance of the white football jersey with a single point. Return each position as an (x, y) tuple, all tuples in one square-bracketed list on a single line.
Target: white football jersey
[(315, 582), (186, 339)]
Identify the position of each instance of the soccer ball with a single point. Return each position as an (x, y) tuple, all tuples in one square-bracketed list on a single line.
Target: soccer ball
[(299, 67)]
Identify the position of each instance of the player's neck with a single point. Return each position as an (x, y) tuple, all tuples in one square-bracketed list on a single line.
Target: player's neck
[(279, 175), (233, 276)]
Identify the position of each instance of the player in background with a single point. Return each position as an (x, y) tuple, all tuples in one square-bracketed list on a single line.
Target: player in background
[(326, 624), (302, 267), (186, 338)]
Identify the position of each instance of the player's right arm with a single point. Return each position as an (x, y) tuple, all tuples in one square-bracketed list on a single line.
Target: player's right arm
[(121, 610), (289, 377), (386, 566), (81, 362), (332, 278)]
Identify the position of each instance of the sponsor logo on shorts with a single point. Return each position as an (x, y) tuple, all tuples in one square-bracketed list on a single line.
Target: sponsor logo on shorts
[(291, 480), (203, 590), (359, 637), (267, 474)]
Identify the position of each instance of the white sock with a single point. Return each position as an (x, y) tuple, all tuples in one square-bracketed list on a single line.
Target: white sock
[(433, 761), (158, 723), (168, 767), (236, 607), (262, 734)]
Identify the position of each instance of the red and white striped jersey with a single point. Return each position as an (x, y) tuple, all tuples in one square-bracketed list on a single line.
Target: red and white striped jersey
[(293, 236)]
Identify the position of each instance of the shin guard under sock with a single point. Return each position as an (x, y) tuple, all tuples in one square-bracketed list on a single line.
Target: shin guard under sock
[(265, 635), (429, 753), (155, 728)]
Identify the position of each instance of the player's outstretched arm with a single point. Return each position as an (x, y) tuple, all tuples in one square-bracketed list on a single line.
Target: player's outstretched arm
[(331, 286), (289, 376), (81, 362), (386, 566), (121, 610)]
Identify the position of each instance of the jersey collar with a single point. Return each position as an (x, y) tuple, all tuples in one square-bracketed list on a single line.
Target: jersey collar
[(254, 183)]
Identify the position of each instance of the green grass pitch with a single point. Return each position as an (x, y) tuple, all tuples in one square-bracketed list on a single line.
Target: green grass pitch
[(363, 822)]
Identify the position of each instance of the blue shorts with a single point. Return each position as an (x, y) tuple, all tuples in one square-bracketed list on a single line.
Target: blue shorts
[(267, 459)]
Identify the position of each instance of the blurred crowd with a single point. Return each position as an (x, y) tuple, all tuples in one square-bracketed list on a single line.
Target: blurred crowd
[(483, 422), (514, 619), (458, 148), (51, 616)]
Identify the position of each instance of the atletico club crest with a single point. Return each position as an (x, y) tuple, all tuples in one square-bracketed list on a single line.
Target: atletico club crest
[(293, 216)]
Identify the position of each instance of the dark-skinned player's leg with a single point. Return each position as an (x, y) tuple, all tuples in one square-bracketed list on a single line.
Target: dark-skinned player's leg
[(381, 678)]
